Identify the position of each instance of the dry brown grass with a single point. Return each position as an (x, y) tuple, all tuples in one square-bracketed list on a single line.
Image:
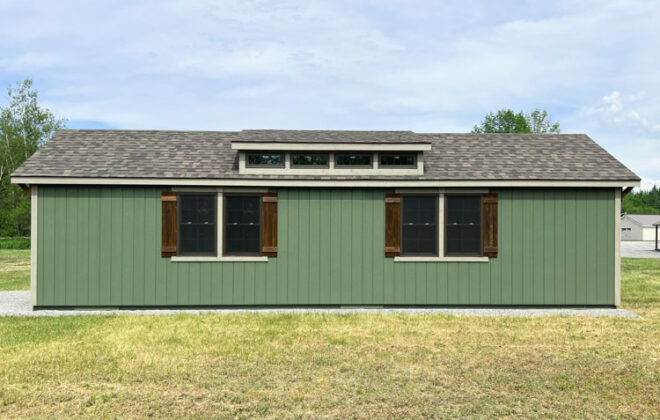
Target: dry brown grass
[(338, 366)]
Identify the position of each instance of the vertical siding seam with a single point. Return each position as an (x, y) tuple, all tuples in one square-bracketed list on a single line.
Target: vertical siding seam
[(63, 244), (351, 247), (542, 246), (89, 221), (522, 260), (133, 300), (554, 241), (564, 268), (298, 271)]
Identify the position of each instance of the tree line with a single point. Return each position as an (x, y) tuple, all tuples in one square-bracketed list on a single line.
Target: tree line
[(642, 202), (24, 127)]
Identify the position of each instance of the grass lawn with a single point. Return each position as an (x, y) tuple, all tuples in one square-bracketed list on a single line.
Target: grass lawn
[(338, 365), (14, 269)]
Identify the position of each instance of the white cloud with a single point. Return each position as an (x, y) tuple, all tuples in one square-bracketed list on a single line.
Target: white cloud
[(647, 184), (344, 64), (615, 109)]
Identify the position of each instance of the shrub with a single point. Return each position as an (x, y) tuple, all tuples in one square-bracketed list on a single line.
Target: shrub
[(14, 243)]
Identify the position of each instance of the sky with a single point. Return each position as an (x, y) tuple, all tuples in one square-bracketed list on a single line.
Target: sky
[(428, 66)]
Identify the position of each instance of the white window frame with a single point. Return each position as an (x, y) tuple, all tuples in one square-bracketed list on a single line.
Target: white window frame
[(331, 169)]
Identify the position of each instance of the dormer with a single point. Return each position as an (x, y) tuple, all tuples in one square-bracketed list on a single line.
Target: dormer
[(323, 153)]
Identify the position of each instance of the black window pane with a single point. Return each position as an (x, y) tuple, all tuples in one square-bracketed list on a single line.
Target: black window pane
[(242, 239), (197, 239), (265, 159), (463, 210), (419, 235), (419, 210), (242, 210), (242, 230), (419, 240), (197, 224), (309, 159), (399, 159), (463, 225), (353, 160)]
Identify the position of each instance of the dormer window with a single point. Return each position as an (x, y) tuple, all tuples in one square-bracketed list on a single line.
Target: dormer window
[(398, 160), (265, 160), (353, 160), (310, 160), (286, 157)]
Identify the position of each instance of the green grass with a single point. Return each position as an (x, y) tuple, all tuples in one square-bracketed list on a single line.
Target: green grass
[(361, 366), (14, 269), (14, 243)]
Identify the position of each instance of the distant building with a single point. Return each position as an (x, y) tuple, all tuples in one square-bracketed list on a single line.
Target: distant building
[(639, 227)]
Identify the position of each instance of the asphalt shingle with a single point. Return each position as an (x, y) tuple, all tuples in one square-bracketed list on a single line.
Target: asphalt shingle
[(208, 155)]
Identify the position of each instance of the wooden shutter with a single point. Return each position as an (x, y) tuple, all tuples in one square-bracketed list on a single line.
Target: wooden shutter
[(269, 225), (489, 203), (169, 224), (392, 225)]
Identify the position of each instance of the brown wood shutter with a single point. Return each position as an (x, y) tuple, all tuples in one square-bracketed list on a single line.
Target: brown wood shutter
[(489, 203), (392, 225), (169, 224), (269, 225)]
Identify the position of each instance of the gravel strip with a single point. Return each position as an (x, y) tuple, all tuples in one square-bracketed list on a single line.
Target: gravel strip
[(639, 249), (18, 304)]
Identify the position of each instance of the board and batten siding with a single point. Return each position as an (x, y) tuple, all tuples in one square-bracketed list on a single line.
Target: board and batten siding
[(100, 246)]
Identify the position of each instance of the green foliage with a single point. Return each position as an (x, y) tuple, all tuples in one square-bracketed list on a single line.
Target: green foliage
[(642, 202), (507, 121), (24, 127), (14, 243)]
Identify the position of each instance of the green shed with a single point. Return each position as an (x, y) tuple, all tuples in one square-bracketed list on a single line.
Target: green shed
[(262, 218)]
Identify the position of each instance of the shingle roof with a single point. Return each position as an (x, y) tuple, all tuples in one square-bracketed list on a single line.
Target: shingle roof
[(645, 219), (208, 155), (330, 136)]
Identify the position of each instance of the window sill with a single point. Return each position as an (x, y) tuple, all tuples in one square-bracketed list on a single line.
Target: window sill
[(221, 259), (441, 259)]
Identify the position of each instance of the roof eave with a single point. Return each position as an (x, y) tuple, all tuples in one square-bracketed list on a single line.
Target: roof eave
[(274, 182)]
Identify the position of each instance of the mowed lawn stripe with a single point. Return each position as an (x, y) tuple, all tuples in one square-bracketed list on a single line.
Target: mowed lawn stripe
[(14, 269)]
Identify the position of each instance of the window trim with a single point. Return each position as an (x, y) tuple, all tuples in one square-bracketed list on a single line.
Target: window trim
[(257, 152), (386, 166), (481, 226), (369, 166), (224, 224), (179, 253), (442, 193), (326, 166), (219, 192), (436, 252)]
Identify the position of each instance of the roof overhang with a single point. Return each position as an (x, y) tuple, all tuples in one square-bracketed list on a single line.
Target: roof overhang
[(637, 222), (353, 147), (269, 182)]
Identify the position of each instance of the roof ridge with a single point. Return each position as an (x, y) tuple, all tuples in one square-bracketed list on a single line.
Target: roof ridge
[(149, 130)]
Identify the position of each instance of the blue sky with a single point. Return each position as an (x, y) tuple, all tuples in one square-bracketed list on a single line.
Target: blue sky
[(424, 66)]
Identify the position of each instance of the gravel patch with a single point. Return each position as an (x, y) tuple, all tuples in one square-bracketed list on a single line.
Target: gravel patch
[(639, 249), (18, 304)]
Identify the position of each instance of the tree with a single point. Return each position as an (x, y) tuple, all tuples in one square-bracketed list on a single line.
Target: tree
[(540, 122), (24, 127), (507, 121), (642, 202)]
